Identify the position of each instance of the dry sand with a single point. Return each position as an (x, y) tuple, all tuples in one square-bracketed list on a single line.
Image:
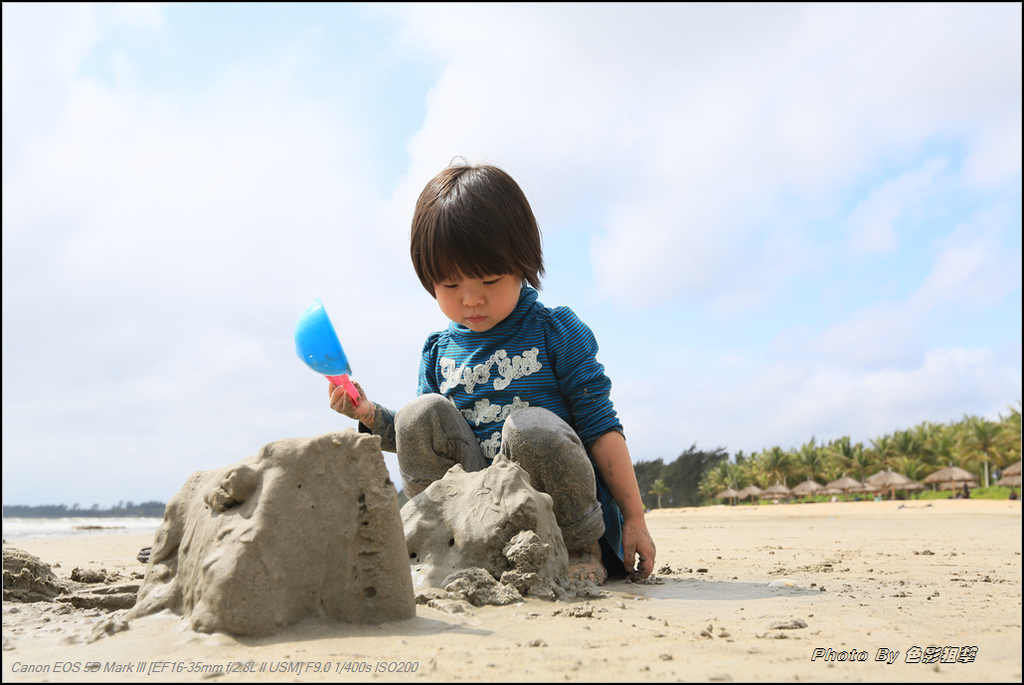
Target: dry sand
[(853, 578)]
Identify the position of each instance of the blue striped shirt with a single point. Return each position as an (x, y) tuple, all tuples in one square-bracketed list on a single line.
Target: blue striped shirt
[(536, 357)]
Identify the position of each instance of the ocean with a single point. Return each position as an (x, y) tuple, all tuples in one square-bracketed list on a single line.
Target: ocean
[(15, 528)]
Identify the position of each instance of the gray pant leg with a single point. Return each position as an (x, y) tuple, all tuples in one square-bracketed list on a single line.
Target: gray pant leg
[(550, 451), (431, 436)]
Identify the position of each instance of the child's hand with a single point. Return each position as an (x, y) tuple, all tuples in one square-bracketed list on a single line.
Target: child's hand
[(342, 403), (637, 540)]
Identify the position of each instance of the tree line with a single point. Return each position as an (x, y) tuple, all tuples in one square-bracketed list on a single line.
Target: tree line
[(64, 511), (975, 444), (696, 476), (677, 483)]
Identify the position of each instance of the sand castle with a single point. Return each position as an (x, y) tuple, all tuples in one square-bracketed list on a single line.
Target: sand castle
[(310, 529), (307, 529)]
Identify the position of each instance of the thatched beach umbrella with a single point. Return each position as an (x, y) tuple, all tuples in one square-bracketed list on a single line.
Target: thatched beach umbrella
[(728, 493), (845, 484), (807, 488), (891, 481), (1010, 477), (777, 490), (750, 491), (877, 476), (952, 477)]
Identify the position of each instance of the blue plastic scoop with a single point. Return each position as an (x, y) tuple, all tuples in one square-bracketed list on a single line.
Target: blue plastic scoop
[(317, 344)]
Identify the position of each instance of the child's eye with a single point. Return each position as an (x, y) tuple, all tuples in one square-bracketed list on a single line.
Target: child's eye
[(492, 281)]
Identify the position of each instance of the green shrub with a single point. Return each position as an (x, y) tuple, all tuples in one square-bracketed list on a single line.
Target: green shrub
[(991, 492)]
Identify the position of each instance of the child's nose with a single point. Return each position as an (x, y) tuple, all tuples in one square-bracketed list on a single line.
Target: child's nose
[(472, 297)]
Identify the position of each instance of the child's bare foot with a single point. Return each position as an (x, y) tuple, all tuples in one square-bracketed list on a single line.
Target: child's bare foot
[(585, 564)]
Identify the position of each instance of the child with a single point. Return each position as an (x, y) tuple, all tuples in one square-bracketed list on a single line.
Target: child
[(510, 376)]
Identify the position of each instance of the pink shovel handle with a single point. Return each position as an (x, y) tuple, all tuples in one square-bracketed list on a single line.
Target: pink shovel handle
[(344, 382)]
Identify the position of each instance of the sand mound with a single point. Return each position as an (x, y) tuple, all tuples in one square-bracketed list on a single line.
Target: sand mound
[(307, 529), (488, 537), (28, 579)]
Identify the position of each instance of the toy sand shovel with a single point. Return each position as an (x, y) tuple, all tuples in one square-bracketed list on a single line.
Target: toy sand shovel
[(317, 344)]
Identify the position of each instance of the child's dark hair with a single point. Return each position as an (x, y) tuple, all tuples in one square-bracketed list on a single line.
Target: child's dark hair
[(473, 221)]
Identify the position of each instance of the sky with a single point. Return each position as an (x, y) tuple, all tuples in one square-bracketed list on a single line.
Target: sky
[(780, 221)]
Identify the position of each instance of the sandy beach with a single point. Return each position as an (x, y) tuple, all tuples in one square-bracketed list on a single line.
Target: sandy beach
[(864, 591)]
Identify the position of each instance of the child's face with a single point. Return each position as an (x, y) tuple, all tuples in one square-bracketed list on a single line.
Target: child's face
[(479, 304)]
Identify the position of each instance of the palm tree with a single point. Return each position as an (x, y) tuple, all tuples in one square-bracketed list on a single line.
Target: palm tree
[(659, 488), (712, 482), (906, 444), (746, 469), (982, 438), (925, 431), (861, 461), (774, 465), (840, 454), (730, 474), (1011, 443), (911, 467), (941, 448), (811, 461), (884, 449), (725, 474)]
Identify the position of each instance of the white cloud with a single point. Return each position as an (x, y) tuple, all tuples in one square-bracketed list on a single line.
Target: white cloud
[(137, 14), (158, 250), (871, 225), (876, 336), (834, 401), (971, 270), (43, 45), (974, 271), (694, 128)]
